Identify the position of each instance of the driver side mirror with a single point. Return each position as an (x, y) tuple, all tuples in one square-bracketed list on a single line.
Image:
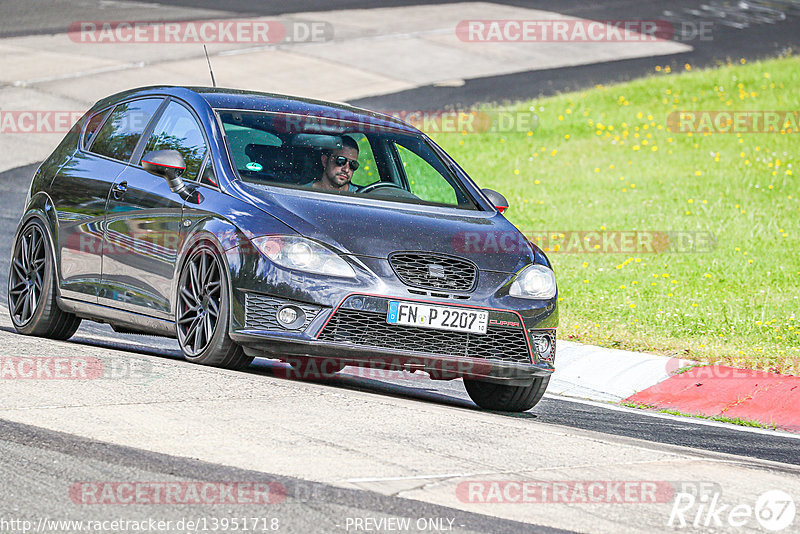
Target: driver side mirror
[(498, 201), (168, 164)]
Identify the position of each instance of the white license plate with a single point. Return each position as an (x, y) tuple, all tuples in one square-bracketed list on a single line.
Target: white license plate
[(438, 317)]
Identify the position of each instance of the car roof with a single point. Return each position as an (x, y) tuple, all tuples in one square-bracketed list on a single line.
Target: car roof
[(224, 98)]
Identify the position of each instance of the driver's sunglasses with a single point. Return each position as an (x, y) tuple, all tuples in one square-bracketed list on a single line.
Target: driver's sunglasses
[(341, 160)]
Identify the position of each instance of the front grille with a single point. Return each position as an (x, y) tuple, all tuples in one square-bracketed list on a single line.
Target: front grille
[(370, 329), (260, 312), (434, 271)]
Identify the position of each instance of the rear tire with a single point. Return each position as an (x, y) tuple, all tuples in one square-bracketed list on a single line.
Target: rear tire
[(202, 311), (32, 287), (503, 398)]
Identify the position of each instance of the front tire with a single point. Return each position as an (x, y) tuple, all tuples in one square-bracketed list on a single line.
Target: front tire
[(32, 287), (202, 311), (503, 398)]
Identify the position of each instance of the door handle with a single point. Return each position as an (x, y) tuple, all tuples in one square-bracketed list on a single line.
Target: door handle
[(119, 189)]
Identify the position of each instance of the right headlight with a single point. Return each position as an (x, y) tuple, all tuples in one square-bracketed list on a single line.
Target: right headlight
[(303, 254), (534, 282)]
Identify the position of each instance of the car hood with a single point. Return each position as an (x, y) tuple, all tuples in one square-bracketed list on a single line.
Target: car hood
[(378, 228)]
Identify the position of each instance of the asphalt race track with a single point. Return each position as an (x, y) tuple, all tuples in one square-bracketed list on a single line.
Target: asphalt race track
[(395, 457)]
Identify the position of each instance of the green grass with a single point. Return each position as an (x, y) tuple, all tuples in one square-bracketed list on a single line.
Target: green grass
[(584, 169), (719, 418)]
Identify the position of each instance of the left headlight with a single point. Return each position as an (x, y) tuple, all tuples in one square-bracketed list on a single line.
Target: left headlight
[(534, 282), (295, 252)]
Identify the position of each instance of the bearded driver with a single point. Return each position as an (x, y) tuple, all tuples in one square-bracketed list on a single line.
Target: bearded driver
[(338, 167)]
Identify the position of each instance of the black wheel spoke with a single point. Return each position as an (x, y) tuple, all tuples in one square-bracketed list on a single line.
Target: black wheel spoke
[(190, 300), (213, 308), (19, 268), (24, 255), (203, 271), (33, 299), (23, 298), (198, 336), (208, 328), (26, 303)]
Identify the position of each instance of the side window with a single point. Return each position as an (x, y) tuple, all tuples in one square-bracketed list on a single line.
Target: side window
[(424, 180), (368, 172), (118, 136), (209, 177), (92, 126), (177, 129), (239, 137)]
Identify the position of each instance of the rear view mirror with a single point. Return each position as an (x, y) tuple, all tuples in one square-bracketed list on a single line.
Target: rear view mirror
[(319, 141), (497, 200)]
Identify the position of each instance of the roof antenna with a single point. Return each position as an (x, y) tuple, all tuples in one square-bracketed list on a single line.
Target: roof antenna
[(213, 82)]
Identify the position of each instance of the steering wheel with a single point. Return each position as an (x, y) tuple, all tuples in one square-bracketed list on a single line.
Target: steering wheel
[(372, 187)]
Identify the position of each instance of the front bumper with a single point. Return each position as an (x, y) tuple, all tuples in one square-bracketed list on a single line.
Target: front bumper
[(355, 332)]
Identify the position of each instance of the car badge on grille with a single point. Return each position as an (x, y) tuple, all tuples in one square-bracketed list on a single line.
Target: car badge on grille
[(435, 271)]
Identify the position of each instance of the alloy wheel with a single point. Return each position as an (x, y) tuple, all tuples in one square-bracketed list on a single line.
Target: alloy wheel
[(199, 302), (26, 279)]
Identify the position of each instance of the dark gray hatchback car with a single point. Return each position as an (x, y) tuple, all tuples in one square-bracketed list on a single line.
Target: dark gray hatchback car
[(248, 224)]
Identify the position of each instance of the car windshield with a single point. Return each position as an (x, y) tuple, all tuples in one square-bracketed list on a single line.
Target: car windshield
[(340, 157)]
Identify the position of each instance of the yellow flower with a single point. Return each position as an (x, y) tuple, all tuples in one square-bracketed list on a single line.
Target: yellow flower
[(698, 173)]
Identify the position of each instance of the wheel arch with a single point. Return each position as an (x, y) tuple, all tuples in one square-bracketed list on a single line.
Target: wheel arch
[(40, 207), (224, 237)]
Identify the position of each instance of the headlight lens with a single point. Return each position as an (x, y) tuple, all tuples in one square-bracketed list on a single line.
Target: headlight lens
[(295, 252), (534, 282)]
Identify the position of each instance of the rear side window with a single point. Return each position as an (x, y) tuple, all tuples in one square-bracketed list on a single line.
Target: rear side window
[(177, 129), (119, 134), (92, 126)]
